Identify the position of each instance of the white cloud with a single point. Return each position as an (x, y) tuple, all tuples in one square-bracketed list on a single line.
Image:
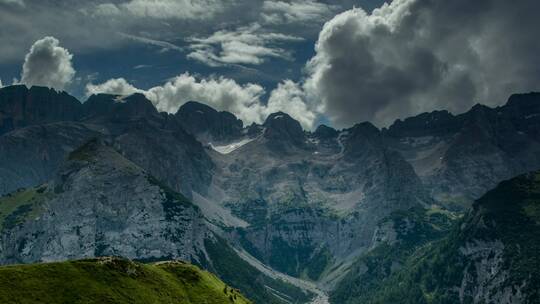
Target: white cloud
[(164, 45), (243, 100), (1, 85), (245, 45), (220, 93), (289, 97), (47, 64), (297, 11), (117, 86)]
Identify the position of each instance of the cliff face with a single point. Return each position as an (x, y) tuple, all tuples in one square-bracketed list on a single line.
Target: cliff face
[(207, 124), (312, 200), (490, 256), (31, 155), (461, 157), (20, 107), (99, 203), (33, 149)]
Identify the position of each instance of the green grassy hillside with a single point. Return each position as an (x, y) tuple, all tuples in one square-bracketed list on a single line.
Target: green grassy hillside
[(113, 280)]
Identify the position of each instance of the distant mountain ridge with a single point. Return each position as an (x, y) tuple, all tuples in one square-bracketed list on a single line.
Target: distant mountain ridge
[(308, 204), (461, 157)]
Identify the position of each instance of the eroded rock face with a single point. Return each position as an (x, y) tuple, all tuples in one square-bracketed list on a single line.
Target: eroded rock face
[(461, 157), (20, 107), (207, 124), (485, 280), (488, 256), (101, 204), (33, 149), (313, 200)]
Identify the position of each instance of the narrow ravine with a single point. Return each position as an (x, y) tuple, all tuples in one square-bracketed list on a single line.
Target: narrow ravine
[(320, 296)]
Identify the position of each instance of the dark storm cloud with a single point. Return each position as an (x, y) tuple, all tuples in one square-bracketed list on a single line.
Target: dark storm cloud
[(419, 55)]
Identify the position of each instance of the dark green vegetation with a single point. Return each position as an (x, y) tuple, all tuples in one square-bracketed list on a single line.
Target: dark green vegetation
[(237, 272), (495, 246), (113, 280), (298, 258), (16, 207), (414, 228)]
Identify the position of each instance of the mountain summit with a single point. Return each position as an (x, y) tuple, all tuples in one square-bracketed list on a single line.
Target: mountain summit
[(208, 124)]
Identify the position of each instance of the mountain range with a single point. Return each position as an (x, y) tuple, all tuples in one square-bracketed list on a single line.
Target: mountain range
[(281, 213)]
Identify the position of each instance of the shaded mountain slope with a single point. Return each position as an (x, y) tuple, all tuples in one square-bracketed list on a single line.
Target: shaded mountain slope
[(312, 202), (490, 257), (101, 204), (31, 155), (460, 157)]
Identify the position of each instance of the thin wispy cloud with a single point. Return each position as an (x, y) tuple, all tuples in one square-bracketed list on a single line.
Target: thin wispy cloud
[(163, 45), (244, 45), (302, 11)]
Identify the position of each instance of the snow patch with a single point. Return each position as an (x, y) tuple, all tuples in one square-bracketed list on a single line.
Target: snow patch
[(226, 149)]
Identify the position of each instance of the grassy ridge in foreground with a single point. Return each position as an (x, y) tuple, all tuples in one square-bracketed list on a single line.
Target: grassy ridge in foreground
[(113, 280)]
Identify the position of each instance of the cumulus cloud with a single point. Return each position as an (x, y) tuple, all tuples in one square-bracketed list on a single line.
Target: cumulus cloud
[(419, 55), (47, 64), (245, 45), (117, 86), (243, 100), (289, 97), (298, 11)]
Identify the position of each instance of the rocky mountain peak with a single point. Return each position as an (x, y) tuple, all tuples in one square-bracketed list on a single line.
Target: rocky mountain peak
[(528, 101), (195, 106), (438, 123), (362, 139), (118, 108), (281, 127), (92, 149), (208, 124), (20, 107), (325, 132), (97, 158)]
